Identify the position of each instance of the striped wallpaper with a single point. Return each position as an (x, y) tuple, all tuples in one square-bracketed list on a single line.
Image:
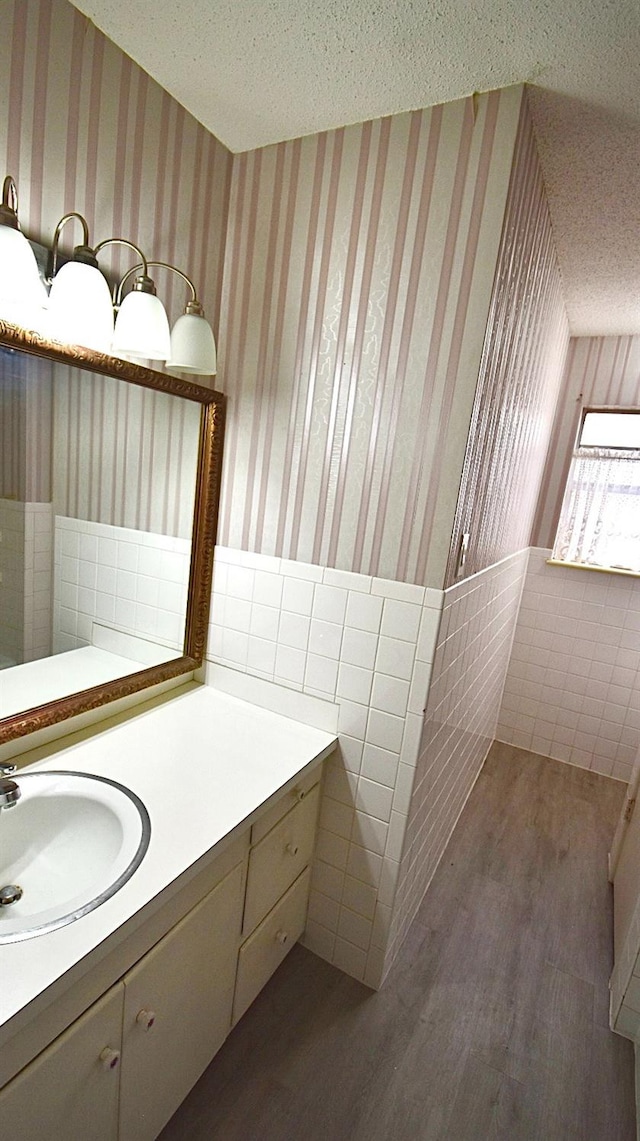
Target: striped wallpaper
[(358, 267), (520, 376), (359, 272), (599, 370), (86, 129)]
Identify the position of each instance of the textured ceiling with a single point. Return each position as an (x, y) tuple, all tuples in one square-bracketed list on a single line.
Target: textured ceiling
[(259, 71)]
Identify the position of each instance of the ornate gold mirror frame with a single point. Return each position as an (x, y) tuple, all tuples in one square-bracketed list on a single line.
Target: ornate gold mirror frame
[(205, 522)]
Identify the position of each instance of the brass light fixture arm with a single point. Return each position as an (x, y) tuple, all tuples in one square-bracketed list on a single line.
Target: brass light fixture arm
[(9, 207), (84, 251), (144, 282), (193, 305)]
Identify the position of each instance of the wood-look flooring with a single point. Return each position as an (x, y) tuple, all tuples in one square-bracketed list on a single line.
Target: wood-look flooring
[(492, 1025)]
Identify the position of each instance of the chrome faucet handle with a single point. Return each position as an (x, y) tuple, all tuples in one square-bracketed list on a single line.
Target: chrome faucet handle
[(10, 793)]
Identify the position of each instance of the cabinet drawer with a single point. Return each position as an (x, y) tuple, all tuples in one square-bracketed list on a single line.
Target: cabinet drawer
[(279, 858), (294, 796), (263, 951)]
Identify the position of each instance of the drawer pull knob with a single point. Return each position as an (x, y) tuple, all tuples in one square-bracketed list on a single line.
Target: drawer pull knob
[(282, 937), (110, 1058), (146, 1019), (299, 793), (292, 849)]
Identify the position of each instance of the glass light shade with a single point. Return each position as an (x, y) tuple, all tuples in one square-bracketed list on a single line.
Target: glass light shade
[(80, 307), (22, 294), (142, 328), (193, 348)]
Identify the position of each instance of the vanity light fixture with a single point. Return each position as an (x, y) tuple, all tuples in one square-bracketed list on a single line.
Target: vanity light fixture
[(22, 293), (142, 326), (193, 347), (80, 307)]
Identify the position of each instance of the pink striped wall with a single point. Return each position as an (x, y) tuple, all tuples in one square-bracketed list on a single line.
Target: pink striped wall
[(520, 375), (86, 129), (599, 370), (359, 272)]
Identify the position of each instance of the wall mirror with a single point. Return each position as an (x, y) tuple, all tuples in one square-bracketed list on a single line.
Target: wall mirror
[(109, 490)]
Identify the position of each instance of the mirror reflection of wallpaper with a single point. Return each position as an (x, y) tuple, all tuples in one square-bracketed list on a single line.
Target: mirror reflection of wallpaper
[(113, 465), (26, 521), (124, 455)]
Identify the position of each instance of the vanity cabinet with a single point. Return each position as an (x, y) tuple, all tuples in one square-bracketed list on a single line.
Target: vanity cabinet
[(121, 1069)]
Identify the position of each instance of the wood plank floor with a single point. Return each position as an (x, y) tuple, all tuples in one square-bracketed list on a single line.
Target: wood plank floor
[(493, 1023)]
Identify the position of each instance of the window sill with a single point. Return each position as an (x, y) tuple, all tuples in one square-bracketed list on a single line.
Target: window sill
[(588, 567)]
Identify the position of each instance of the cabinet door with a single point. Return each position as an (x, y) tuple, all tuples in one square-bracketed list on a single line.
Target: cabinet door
[(177, 1010), (70, 1091)]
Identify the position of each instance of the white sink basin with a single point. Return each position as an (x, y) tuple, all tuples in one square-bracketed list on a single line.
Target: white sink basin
[(70, 843)]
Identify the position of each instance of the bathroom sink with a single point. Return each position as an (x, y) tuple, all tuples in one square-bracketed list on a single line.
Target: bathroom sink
[(70, 842)]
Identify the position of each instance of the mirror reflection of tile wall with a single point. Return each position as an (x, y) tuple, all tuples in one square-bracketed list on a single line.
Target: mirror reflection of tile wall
[(134, 581), (26, 547)]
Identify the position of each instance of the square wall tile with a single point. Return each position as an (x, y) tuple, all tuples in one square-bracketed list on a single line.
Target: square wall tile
[(268, 588), (290, 664), (321, 674), (380, 765), (359, 647), (293, 630), (356, 928), (330, 603), (297, 596), (374, 799), (349, 958), (390, 694), (325, 638), (354, 683), (385, 730), (395, 657), (364, 612), (401, 620)]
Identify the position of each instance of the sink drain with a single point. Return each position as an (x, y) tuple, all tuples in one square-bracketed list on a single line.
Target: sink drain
[(10, 894)]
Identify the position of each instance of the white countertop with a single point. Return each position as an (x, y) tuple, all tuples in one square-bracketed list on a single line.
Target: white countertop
[(204, 764)]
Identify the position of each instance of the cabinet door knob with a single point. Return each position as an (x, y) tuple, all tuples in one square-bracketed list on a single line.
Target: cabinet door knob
[(299, 793), (292, 849), (281, 937), (110, 1058), (146, 1018)]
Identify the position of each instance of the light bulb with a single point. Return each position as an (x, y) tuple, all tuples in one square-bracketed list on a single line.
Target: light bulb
[(80, 307), (193, 348), (142, 328)]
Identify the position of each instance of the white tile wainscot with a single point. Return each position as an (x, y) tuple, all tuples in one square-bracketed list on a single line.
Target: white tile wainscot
[(366, 645), (470, 663), (572, 690)]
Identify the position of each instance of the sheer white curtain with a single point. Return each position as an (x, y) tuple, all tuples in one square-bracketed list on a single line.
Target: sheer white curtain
[(600, 517)]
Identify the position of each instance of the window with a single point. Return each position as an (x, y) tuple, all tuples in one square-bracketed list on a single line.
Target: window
[(600, 517)]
